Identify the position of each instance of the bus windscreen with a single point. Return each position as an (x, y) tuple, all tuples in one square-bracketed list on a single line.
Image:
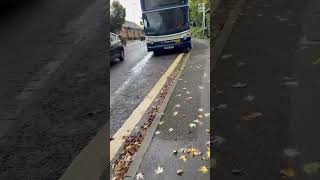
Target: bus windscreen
[(166, 22), (155, 4)]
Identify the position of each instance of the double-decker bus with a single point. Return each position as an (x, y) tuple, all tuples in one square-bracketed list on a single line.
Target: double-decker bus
[(166, 25)]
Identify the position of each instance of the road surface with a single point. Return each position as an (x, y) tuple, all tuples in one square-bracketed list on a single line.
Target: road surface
[(132, 79), (53, 85)]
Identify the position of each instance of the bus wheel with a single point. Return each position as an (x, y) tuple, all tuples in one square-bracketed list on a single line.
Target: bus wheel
[(156, 53)]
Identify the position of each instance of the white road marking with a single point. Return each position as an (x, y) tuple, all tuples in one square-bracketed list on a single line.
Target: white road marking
[(133, 73)]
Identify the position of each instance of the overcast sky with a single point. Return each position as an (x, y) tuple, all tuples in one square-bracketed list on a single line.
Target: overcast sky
[(133, 10)]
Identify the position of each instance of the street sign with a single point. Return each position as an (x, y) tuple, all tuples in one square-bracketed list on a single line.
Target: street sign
[(201, 7)]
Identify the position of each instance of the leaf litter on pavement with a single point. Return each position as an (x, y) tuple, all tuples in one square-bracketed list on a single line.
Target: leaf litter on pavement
[(133, 141)]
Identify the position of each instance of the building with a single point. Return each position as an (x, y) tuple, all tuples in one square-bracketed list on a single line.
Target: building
[(131, 30)]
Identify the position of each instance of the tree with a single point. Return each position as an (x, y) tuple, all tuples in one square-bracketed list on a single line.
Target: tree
[(117, 16), (195, 16)]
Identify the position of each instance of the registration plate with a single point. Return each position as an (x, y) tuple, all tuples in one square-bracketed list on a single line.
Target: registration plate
[(169, 47)]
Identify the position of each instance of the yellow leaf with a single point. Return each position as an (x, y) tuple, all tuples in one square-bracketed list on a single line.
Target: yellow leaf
[(194, 152), (203, 169), (208, 154), (184, 158), (289, 172)]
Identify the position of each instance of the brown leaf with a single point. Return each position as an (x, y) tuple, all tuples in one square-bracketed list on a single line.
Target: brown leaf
[(251, 116)]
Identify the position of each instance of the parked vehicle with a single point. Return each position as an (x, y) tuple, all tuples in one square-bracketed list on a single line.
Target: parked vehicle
[(116, 48)]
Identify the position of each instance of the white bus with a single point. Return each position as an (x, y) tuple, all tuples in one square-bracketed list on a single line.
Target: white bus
[(166, 25)]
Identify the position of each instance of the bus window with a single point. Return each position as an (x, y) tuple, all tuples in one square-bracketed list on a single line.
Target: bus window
[(155, 4), (166, 22)]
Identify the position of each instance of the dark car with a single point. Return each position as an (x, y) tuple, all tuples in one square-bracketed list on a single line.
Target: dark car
[(116, 48)]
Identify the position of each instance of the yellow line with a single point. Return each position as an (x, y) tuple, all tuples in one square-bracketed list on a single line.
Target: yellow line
[(137, 114)]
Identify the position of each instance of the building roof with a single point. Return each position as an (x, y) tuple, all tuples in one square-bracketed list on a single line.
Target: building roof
[(131, 25)]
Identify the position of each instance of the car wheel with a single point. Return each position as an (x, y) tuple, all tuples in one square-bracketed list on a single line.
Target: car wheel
[(122, 55)]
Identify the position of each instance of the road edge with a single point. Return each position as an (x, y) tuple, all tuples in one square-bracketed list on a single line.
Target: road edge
[(134, 166), (225, 33)]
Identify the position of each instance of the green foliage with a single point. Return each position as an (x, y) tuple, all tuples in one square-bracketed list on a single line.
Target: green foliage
[(197, 32), (117, 16), (195, 16)]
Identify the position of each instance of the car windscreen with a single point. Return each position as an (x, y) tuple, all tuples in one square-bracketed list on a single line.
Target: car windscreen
[(165, 22), (156, 4)]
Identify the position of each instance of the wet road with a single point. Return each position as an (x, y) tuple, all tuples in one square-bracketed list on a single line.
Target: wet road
[(269, 127), (132, 79), (53, 85)]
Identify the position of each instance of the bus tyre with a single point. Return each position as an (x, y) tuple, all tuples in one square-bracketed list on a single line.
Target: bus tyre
[(156, 53), (121, 55)]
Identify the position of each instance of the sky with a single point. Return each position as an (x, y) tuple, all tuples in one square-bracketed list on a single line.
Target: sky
[(133, 10)]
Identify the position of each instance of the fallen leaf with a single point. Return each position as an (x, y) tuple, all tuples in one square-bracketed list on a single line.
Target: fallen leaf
[(290, 152), (183, 150), (206, 114), (183, 158), (208, 130), (317, 61), (200, 110), (251, 116), (158, 132), (178, 95), (175, 152), (226, 56), (241, 64), (194, 152), (184, 88), (179, 172), (161, 122), (175, 113), (311, 168), (159, 170), (187, 92), (287, 78), (192, 125), (139, 176), (291, 83), (239, 85), (236, 171), (203, 169), (200, 116), (188, 98), (183, 115), (201, 87), (249, 98), (222, 106), (288, 172), (177, 106), (171, 129), (196, 121)]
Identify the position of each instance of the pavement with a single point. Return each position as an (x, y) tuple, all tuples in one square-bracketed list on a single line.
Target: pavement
[(179, 114), (266, 128), (53, 84)]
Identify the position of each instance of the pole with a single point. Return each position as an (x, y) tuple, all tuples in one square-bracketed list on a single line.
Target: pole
[(203, 18)]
